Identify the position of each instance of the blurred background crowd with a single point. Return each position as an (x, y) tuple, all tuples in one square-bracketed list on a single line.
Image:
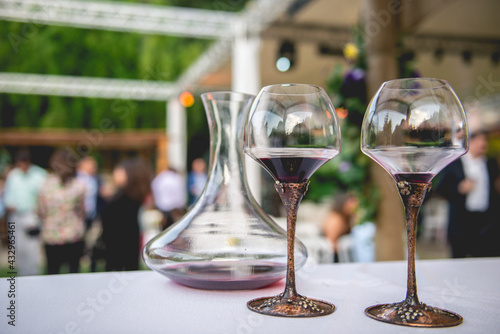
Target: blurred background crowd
[(104, 141), (71, 213)]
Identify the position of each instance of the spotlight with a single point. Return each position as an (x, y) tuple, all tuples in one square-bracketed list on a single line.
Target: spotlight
[(286, 56), (407, 56), (495, 57), (438, 54), (467, 56), (283, 64), (329, 50)]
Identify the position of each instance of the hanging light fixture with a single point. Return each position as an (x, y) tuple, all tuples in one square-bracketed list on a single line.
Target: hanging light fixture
[(286, 56), (467, 56), (439, 54), (495, 57)]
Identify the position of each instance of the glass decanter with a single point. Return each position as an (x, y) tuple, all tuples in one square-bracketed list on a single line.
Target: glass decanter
[(225, 241)]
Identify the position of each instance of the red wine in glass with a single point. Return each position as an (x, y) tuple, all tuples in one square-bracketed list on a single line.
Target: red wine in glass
[(414, 177), (292, 165)]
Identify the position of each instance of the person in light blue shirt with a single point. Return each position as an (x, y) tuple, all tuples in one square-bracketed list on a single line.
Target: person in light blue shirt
[(2, 201), (87, 174), (21, 198), (196, 179)]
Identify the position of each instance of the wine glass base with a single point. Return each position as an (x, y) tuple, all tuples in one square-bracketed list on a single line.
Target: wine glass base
[(413, 315), (299, 306)]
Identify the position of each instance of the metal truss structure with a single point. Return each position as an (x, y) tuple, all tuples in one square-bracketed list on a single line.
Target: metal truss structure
[(59, 85), (138, 18), (127, 17)]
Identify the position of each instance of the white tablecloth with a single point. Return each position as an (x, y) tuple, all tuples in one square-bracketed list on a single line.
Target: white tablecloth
[(146, 302)]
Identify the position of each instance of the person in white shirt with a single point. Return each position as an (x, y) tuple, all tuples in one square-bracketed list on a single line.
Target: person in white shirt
[(170, 195), (470, 184), (21, 199)]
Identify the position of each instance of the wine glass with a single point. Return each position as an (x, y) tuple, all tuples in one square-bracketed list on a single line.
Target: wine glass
[(292, 130), (413, 128)]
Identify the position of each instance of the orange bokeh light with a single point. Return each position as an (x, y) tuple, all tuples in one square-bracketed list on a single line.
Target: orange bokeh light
[(342, 112), (186, 99)]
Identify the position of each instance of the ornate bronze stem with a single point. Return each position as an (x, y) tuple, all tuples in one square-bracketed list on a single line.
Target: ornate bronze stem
[(410, 312), (412, 195), (289, 303), (291, 195)]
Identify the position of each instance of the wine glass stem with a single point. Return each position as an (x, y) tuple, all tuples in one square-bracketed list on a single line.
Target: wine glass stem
[(412, 195), (291, 194)]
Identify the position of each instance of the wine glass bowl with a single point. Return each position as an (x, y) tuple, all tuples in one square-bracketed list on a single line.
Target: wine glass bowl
[(291, 131), (413, 128)]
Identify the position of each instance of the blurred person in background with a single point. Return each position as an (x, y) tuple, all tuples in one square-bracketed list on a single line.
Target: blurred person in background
[(87, 174), (61, 210), (120, 217), (94, 200), (340, 218), (169, 192), (353, 240), (3, 209), (197, 178), (470, 185), (21, 197)]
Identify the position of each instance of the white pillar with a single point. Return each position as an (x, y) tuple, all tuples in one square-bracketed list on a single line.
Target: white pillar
[(176, 136), (245, 61), (246, 79)]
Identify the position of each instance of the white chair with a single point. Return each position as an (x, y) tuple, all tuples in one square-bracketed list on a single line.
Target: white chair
[(435, 219)]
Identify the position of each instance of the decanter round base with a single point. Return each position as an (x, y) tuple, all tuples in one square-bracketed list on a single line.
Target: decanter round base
[(298, 307), (225, 285), (413, 315)]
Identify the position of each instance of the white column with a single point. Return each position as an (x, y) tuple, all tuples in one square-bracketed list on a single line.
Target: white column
[(245, 61), (176, 136), (246, 79)]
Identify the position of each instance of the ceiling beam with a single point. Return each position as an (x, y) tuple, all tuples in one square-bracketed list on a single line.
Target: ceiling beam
[(452, 43), (335, 37), (309, 33), (115, 139)]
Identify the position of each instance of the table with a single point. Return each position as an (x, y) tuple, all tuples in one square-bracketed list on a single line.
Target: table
[(146, 302)]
